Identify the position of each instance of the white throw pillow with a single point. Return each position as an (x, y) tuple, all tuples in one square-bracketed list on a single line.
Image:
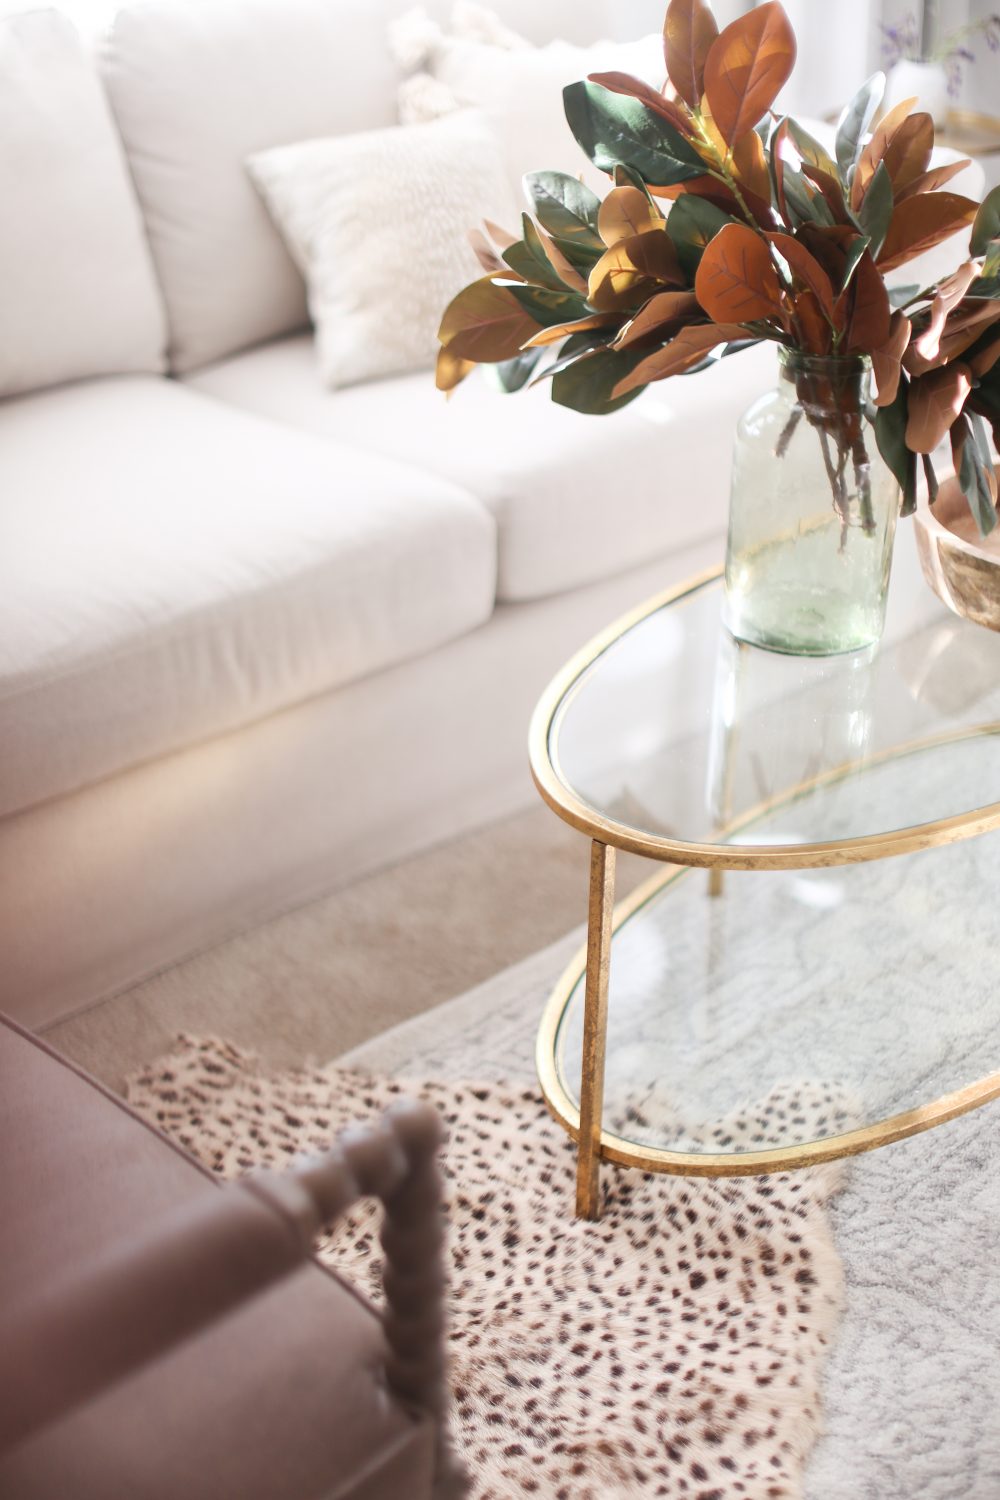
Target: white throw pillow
[(78, 295), (519, 88), (378, 224)]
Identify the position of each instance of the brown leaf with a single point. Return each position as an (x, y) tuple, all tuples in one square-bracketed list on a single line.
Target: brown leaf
[(961, 433), (806, 268), (701, 187), (961, 332), (562, 330), (618, 278), (500, 237), (935, 178), (817, 335), (935, 402), (657, 316), (747, 65), (886, 362), (876, 147), (624, 212), (486, 255), (909, 151), (688, 33), (831, 190), (564, 269), (636, 88), (750, 165), (985, 358), (688, 348), (736, 281), (949, 294), (485, 323), (450, 371), (920, 223), (871, 314)]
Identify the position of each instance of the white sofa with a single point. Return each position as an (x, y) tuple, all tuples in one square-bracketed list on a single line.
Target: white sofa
[(258, 638)]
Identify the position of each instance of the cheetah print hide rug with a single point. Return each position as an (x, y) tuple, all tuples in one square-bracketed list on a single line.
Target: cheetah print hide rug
[(674, 1349)]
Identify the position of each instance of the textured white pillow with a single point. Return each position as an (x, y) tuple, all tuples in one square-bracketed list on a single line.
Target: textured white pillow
[(519, 88), (78, 295), (378, 224)]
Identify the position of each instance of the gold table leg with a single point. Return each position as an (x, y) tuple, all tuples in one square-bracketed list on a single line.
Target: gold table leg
[(595, 1029)]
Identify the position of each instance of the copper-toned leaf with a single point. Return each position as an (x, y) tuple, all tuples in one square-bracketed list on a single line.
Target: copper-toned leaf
[(485, 322), (659, 316), (920, 223), (684, 351), (747, 65), (636, 88), (935, 178), (908, 153), (564, 268), (485, 253), (871, 315), (450, 370), (500, 237), (749, 165), (886, 364), (829, 186), (936, 400), (621, 274), (948, 295), (814, 328), (688, 33), (806, 268), (560, 331), (736, 280), (699, 187), (876, 147), (625, 212), (962, 330), (983, 360)]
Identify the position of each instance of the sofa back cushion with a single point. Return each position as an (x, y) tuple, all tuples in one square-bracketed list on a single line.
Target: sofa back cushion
[(78, 295), (197, 86)]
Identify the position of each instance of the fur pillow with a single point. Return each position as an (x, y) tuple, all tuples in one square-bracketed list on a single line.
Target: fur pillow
[(378, 224)]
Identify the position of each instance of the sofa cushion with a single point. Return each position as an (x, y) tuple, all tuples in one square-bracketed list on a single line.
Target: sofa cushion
[(282, 1397), (576, 498), (179, 568), (77, 291), (197, 86)]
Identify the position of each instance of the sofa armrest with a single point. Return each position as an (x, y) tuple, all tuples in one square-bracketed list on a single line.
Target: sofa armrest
[(171, 1280)]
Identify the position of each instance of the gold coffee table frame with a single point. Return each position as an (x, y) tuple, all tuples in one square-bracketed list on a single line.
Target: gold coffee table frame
[(594, 960)]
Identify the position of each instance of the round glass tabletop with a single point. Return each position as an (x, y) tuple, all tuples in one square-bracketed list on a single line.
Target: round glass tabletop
[(669, 737)]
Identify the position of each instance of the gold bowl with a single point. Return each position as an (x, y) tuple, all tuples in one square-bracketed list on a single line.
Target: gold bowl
[(961, 567)]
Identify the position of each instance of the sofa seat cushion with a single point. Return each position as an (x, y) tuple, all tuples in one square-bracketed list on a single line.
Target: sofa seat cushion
[(179, 568), (282, 1397), (576, 498)]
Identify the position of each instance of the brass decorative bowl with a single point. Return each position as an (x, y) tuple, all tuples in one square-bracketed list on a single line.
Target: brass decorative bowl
[(961, 567)]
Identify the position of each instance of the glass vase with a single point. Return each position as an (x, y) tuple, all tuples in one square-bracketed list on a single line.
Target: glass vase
[(812, 513)]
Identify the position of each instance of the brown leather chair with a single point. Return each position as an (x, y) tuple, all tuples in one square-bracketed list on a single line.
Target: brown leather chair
[(164, 1336)]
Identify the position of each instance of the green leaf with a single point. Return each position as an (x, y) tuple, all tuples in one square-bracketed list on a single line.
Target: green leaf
[(976, 464), (572, 349), (691, 223), (529, 260), (991, 265), (875, 213), (616, 129), (899, 296), (810, 150), (586, 384), (565, 207), (931, 477), (890, 435), (986, 225), (628, 177), (511, 374), (855, 121), (985, 288), (804, 204), (854, 254), (548, 307)]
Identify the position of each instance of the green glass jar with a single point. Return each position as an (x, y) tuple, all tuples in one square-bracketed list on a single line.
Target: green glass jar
[(812, 513)]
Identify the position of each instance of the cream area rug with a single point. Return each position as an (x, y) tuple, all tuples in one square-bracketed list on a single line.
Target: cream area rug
[(675, 1348)]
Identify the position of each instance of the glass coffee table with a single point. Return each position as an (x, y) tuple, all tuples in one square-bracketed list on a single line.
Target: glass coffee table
[(784, 993)]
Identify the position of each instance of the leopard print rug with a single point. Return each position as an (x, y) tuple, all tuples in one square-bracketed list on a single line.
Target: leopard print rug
[(673, 1349)]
